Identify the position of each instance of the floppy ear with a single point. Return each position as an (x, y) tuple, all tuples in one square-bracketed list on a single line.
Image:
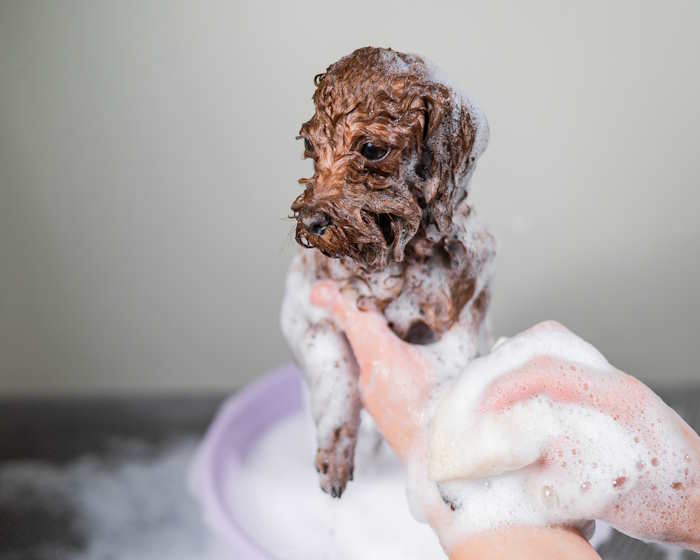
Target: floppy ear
[(447, 152)]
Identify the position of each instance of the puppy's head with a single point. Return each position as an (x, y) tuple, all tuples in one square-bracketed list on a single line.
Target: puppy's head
[(393, 149)]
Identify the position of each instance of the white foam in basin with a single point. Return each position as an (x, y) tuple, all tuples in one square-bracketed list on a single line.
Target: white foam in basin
[(276, 499)]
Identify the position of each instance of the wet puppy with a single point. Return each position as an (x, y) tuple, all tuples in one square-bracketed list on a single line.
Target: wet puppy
[(385, 215)]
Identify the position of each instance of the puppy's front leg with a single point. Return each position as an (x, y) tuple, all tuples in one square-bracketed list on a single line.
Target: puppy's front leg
[(331, 372)]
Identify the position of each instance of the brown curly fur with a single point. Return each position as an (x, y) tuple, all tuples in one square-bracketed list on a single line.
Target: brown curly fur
[(380, 213), (361, 98), (396, 232)]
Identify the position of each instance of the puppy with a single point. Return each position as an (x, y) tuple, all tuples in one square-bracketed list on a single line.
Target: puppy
[(386, 216)]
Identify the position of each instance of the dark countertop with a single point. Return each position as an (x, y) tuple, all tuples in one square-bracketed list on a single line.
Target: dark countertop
[(60, 431)]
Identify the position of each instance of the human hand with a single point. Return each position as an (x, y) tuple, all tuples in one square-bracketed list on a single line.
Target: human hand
[(395, 379), (398, 407), (396, 383)]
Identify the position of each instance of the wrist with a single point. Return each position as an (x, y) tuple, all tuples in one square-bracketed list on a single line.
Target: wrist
[(526, 543)]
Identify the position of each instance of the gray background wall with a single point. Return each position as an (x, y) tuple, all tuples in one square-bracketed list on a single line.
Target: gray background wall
[(148, 160)]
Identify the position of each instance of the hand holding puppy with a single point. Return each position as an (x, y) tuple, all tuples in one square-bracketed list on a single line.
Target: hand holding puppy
[(659, 501)]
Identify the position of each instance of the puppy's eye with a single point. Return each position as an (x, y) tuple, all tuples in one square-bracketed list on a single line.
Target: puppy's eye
[(308, 146), (373, 152)]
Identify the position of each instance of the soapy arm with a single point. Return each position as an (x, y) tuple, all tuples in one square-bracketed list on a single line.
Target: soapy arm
[(386, 362)]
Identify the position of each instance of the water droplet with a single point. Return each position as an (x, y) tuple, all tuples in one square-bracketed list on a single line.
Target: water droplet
[(487, 484), (640, 465), (549, 497), (585, 486), (687, 458)]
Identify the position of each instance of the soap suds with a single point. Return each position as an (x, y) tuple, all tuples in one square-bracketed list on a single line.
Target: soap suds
[(134, 505), (276, 500), (131, 505), (544, 431)]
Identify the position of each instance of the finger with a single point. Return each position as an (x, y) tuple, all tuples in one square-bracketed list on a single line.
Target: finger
[(326, 294)]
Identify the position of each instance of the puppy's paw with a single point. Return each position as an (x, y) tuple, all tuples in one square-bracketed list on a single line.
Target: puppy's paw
[(335, 463)]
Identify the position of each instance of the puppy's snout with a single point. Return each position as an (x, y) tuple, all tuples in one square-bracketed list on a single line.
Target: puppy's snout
[(316, 223)]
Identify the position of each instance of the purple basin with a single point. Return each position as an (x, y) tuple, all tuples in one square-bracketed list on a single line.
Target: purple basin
[(239, 423)]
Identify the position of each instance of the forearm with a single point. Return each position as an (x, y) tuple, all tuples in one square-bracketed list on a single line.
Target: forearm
[(526, 543)]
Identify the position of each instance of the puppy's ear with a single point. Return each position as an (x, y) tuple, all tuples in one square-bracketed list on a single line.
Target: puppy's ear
[(434, 104), (449, 150)]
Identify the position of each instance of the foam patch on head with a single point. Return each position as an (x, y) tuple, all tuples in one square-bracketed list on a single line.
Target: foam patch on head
[(461, 98)]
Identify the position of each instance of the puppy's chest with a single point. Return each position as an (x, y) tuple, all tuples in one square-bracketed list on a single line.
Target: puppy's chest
[(420, 299)]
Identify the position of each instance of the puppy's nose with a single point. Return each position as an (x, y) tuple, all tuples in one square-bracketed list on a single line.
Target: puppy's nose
[(316, 223)]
